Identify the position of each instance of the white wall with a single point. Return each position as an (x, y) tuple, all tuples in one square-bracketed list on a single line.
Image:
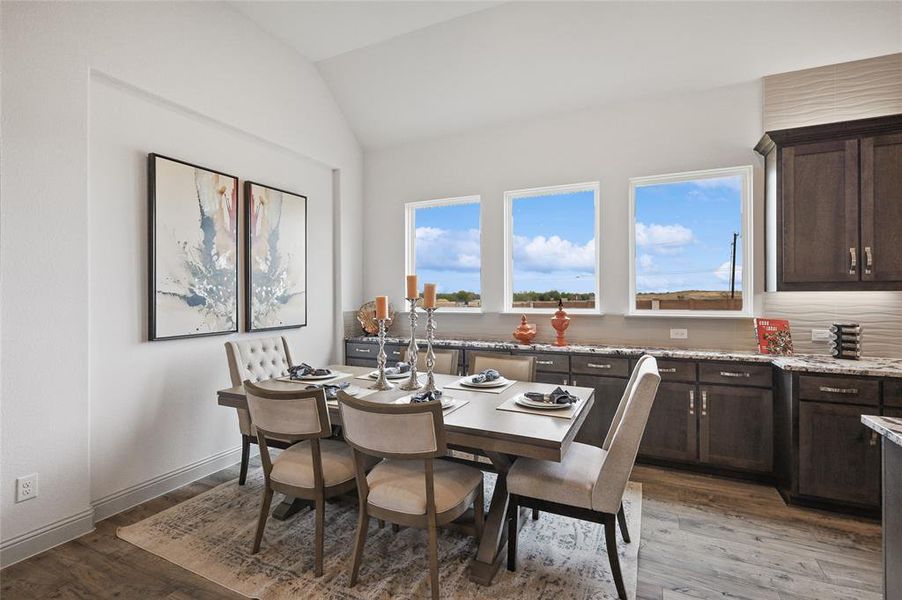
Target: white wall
[(88, 90), (702, 130)]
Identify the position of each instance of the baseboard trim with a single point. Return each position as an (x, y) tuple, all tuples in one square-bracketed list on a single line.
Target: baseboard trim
[(38, 540), (117, 502)]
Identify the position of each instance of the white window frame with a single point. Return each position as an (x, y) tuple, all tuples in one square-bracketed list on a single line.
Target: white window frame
[(410, 237), (509, 198), (746, 236)]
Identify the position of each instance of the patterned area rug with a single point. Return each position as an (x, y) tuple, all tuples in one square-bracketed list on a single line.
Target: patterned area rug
[(211, 535)]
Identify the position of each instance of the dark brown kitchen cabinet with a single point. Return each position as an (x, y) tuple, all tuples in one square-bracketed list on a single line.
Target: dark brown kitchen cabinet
[(671, 432), (834, 206), (608, 392), (881, 208), (736, 427), (839, 458)]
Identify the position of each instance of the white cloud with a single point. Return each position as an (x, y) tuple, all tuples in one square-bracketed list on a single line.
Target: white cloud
[(646, 262), (733, 182), (723, 272), (447, 249), (663, 239), (545, 255)]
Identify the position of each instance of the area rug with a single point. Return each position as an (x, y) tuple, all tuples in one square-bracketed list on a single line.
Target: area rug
[(211, 535)]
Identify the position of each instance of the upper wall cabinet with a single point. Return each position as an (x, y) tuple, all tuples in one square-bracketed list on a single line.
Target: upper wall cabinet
[(834, 206)]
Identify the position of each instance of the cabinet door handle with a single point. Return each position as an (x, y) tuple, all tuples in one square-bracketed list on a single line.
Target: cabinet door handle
[(853, 261), (573, 381), (836, 390), (599, 366), (868, 260), (544, 362), (691, 402), (873, 441), (564, 381), (704, 403), (734, 374), (670, 370)]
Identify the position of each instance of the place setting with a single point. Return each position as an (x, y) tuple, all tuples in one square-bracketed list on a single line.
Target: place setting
[(305, 373), (558, 403), (489, 380)]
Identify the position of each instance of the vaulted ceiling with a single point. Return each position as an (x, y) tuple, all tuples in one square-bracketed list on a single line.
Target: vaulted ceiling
[(411, 70)]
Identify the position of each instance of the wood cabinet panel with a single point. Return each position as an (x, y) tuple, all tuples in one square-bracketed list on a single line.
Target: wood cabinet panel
[(839, 459), (600, 365), (608, 392), (671, 432), (676, 370), (736, 427), (843, 390), (731, 373), (892, 393), (554, 363), (555, 378), (820, 212), (881, 208)]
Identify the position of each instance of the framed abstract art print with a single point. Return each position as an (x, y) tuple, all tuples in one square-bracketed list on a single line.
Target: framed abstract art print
[(275, 258), (193, 250)]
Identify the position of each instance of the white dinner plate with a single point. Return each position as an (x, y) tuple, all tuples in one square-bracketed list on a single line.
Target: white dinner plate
[(467, 382), (447, 401), (524, 401), (375, 375), (314, 377)]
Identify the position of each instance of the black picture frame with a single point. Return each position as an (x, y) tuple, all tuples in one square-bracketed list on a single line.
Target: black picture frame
[(248, 260), (152, 272)]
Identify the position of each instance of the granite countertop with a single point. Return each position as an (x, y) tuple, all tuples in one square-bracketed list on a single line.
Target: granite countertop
[(888, 427), (806, 363)]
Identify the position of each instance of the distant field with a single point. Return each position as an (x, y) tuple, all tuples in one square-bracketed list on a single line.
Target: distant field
[(690, 300)]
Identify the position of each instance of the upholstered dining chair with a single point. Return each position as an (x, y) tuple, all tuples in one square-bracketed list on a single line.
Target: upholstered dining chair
[(410, 487), (255, 360), (518, 368), (446, 361), (588, 484), (313, 468)]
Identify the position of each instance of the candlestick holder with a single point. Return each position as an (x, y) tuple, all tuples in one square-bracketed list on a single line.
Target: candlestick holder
[(382, 382), (413, 350), (430, 353)]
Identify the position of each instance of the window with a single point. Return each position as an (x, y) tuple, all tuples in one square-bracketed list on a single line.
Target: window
[(551, 252), (443, 247), (690, 243)]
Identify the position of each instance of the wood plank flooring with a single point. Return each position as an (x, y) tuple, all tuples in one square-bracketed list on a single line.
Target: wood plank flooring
[(702, 538)]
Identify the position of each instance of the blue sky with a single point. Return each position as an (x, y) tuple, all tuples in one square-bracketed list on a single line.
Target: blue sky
[(683, 235)]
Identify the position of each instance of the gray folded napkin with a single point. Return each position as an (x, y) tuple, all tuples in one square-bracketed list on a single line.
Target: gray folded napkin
[(557, 396), (485, 376), (305, 370), (401, 367), (331, 389), (426, 397)]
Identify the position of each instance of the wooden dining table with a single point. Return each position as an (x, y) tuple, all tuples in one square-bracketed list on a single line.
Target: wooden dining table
[(478, 427)]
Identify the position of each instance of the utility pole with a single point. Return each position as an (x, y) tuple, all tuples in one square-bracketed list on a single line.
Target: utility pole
[(733, 268)]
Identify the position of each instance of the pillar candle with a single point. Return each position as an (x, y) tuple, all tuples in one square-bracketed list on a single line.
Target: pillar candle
[(381, 308), (429, 295), (412, 287)]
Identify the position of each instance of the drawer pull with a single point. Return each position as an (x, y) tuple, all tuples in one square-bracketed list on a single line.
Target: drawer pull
[(363, 350), (691, 402), (598, 366), (853, 261), (835, 390), (544, 362), (670, 370), (735, 374), (873, 441), (704, 403)]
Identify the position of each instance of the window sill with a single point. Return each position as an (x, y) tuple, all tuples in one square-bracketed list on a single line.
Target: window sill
[(550, 311), (691, 314)]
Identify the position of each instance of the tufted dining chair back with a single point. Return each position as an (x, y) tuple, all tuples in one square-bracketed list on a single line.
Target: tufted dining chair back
[(256, 359)]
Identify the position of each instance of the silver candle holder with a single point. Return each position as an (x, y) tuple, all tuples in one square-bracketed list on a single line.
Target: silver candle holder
[(413, 350), (430, 353), (382, 382)]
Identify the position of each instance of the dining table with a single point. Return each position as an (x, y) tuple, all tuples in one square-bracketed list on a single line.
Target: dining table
[(474, 425)]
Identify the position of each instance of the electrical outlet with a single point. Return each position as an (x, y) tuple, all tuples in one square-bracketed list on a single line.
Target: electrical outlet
[(820, 335), (679, 334), (27, 487)]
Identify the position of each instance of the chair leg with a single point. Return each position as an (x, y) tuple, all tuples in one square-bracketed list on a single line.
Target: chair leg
[(535, 514), (610, 540), (479, 511), (318, 539), (395, 528), (433, 558), (363, 522), (264, 514), (381, 523), (513, 530), (621, 518), (245, 458)]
